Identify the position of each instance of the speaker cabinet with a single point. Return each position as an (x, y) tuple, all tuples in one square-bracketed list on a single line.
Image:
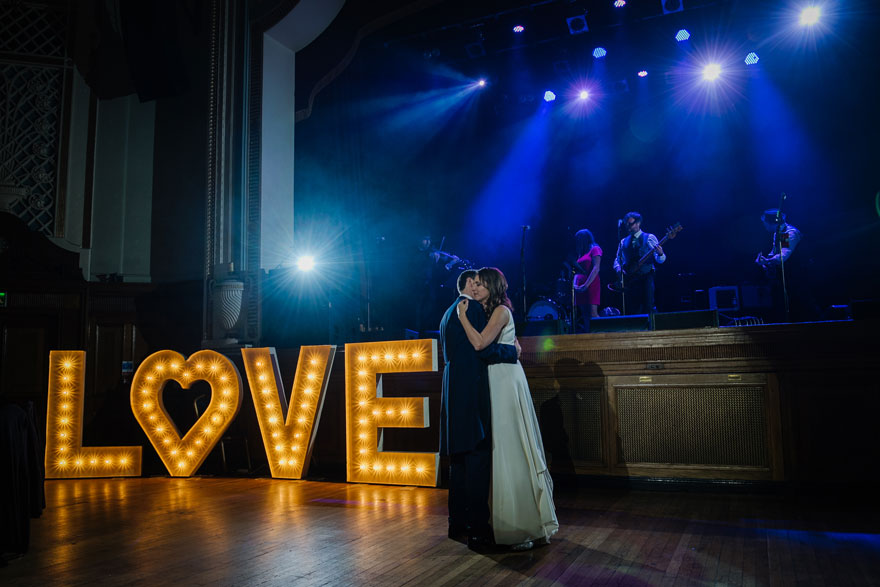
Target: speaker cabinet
[(680, 320), (620, 323)]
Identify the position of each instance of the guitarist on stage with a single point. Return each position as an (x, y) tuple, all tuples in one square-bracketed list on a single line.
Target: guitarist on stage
[(638, 281)]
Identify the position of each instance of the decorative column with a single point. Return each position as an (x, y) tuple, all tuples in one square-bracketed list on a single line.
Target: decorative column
[(228, 281)]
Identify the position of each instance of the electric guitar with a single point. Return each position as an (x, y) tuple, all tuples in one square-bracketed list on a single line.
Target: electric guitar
[(631, 269)]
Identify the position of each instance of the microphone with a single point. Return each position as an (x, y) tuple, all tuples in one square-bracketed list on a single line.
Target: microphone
[(619, 222), (526, 227)]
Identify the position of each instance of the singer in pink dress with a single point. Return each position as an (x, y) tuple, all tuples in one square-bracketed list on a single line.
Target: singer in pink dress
[(587, 288)]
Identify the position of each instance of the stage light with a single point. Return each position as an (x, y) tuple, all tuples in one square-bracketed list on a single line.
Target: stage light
[(147, 404), (367, 413), (306, 402), (671, 6), (711, 72), (583, 95), (66, 458), (619, 3), (481, 83), (599, 52), (577, 24), (519, 28), (643, 73), (549, 96), (752, 58), (682, 35), (810, 15), (306, 263)]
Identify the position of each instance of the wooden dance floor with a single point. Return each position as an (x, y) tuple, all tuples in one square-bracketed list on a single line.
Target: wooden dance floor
[(258, 531)]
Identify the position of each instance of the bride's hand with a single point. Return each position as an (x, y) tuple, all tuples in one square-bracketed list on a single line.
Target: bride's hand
[(462, 308)]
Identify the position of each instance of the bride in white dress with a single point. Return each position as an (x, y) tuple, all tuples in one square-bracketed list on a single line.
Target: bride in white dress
[(522, 490)]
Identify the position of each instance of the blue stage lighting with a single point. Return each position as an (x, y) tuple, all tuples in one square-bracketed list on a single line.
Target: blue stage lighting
[(752, 58), (599, 52), (519, 28), (643, 73), (711, 72), (583, 94), (810, 15), (306, 263), (619, 3), (481, 83), (682, 35), (549, 96)]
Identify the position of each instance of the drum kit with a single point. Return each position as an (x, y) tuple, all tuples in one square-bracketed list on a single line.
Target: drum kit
[(554, 305)]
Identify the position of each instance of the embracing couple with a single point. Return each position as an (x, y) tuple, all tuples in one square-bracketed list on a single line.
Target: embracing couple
[(500, 491)]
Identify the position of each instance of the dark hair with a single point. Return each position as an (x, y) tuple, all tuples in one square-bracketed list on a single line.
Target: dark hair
[(769, 216), (465, 275), (634, 215), (496, 283), (583, 242)]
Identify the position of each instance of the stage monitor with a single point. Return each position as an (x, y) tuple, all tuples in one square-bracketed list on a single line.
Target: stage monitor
[(724, 298), (631, 323), (681, 320)]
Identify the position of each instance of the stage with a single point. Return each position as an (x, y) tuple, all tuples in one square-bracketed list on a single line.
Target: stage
[(260, 531), (767, 404)]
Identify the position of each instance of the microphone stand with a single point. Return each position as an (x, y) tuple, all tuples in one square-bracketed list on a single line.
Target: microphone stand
[(522, 264), (785, 300), (622, 274), (572, 323)]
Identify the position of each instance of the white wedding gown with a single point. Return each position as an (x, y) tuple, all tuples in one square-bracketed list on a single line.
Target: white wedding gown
[(522, 490)]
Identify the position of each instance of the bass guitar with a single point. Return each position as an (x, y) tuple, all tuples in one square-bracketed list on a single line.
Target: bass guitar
[(631, 270)]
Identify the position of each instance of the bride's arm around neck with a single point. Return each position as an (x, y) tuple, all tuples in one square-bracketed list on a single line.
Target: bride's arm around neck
[(497, 321)]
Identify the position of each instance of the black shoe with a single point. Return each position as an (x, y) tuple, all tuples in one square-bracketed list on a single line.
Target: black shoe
[(457, 531), (480, 543)]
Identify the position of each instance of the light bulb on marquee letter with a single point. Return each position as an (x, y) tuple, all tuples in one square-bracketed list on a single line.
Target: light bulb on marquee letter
[(288, 443), (366, 411), (183, 456), (66, 458)]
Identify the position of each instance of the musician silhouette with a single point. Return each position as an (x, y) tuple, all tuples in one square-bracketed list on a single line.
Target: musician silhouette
[(637, 276)]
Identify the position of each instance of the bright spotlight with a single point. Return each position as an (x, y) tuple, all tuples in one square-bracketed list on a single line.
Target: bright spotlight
[(583, 94), (482, 83), (643, 73), (519, 28), (711, 72), (599, 52), (810, 15), (682, 35), (306, 263), (549, 96), (752, 58), (619, 3)]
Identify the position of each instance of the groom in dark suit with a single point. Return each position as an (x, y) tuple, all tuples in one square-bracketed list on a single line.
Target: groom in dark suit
[(466, 417)]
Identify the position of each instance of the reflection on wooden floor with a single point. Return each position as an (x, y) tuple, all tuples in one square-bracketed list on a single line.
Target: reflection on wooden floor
[(217, 531)]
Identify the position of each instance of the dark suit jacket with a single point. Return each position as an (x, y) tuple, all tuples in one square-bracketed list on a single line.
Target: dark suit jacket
[(465, 413)]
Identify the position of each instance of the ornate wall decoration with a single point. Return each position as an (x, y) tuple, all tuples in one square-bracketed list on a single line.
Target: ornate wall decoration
[(33, 77)]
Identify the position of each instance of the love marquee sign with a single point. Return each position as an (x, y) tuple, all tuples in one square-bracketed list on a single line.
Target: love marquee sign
[(288, 427)]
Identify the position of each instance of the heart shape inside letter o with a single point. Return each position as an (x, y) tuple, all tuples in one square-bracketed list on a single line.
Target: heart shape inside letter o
[(183, 456)]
